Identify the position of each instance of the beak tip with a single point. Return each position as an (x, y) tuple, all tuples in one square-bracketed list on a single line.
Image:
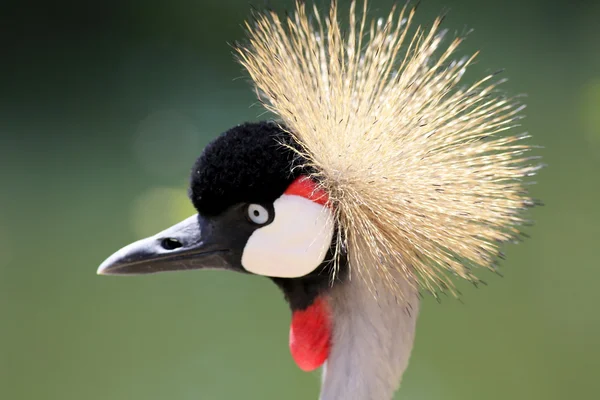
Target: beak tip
[(114, 264), (102, 270), (108, 266)]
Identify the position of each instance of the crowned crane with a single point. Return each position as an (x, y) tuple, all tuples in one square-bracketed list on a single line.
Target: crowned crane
[(380, 178)]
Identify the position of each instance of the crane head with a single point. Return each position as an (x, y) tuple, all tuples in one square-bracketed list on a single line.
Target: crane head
[(258, 213)]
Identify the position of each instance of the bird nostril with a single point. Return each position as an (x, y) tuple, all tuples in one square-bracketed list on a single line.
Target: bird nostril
[(170, 244)]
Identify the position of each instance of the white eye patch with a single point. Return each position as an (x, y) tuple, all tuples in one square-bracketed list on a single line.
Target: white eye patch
[(294, 244)]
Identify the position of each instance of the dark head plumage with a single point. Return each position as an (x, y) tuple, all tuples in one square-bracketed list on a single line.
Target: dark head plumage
[(249, 163)]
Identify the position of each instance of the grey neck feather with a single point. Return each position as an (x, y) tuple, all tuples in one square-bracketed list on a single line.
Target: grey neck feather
[(371, 341)]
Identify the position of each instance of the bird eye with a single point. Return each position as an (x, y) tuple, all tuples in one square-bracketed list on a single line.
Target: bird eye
[(258, 214)]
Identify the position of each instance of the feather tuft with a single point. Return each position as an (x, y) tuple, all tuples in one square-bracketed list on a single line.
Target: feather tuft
[(421, 171)]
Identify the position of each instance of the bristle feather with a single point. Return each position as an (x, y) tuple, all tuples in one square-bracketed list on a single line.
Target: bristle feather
[(419, 176)]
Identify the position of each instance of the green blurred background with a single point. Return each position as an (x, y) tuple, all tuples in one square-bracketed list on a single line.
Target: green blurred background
[(103, 108)]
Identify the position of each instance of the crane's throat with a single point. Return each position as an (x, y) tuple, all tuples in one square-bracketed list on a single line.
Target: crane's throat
[(310, 335)]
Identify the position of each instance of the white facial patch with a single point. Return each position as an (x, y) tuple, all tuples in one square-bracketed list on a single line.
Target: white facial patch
[(294, 244)]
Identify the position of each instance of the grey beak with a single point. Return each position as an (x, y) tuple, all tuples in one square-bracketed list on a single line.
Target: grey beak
[(190, 244)]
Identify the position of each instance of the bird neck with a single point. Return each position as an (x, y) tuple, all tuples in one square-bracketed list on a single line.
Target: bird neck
[(371, 340)]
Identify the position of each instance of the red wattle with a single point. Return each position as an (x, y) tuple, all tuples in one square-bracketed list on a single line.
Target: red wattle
[(310, 335), (305, 187)]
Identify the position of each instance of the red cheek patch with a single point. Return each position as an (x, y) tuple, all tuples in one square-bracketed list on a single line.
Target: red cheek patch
[(310, 335), (305, 187)]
